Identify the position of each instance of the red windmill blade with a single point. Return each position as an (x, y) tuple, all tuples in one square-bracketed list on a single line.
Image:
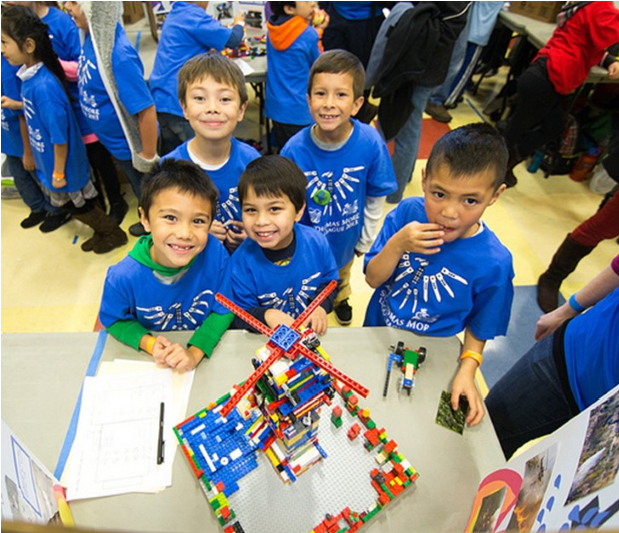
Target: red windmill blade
[(284, 340)]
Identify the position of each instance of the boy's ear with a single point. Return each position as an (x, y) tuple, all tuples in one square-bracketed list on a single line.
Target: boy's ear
[(423, 178), (242, 110), (300, 212), (289, 10), (144, 219), (497, 193), (357, 105)]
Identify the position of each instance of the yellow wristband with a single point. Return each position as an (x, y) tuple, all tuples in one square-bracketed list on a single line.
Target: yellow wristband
[(149, 344), (473, 355)]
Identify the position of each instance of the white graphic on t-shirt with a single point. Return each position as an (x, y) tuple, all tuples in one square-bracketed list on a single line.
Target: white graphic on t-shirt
[(229, 209), (88, 103), (288, 302), (175, 318), (411, 275), (338, 190), (28, 108)]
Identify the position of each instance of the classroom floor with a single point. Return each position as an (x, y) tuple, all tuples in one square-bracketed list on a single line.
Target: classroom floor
[(50, 285)]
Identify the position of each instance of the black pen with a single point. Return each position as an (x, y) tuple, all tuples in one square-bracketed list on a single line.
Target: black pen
[(160, 441)]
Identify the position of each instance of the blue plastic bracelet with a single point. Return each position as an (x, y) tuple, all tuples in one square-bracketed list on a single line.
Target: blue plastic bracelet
[(575, 305)]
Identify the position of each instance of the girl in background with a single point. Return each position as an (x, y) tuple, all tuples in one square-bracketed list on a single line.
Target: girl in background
[(55, 139)]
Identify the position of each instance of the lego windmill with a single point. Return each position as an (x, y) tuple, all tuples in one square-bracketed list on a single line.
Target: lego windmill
[(294, 381)]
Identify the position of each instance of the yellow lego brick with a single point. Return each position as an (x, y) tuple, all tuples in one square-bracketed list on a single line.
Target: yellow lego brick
[(281, 379)]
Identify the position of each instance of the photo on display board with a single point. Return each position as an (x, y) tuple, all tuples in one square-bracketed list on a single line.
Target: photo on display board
[(489, 512), (537, 475), (599, 459)]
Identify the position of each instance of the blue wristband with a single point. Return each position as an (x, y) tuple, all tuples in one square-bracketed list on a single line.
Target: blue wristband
[(575, 305)]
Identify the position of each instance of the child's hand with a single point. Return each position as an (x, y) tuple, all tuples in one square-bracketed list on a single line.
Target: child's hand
[(464, 385), (275, 317), (59, 184), (219, 231), (183, 359), (239, 17), (235, 235), (549, 322), (613, 70), (159, 349), (318, 321), (9, 103), (28, 161), (420, 238)]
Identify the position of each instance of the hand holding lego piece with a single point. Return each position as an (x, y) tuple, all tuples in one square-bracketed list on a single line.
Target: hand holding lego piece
[(318, 321), (464, 385)]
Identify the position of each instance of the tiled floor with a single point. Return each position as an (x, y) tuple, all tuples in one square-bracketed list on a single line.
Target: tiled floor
[(49, 284)]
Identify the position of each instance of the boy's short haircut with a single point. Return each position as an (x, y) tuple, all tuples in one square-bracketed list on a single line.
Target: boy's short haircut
[(469, 150), (278, 7), (339, 62), (179, 174), (216, 66), (273, 176)]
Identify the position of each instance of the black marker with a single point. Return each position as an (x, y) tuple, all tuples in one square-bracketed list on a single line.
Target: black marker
[(160, 441)]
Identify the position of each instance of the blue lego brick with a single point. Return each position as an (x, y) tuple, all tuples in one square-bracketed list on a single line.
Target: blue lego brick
[(407, 383), (321, 450), (284, 337)]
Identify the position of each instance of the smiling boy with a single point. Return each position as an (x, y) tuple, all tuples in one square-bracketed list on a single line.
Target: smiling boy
[(213, 95), (436, 267), (283, 265), (169, 279), (346, 163)]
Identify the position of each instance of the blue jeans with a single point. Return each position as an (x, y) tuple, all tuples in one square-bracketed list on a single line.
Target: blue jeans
[(529, 401), (173, 131), (27, 183), (442, 92), (407, 143), (133, 175)]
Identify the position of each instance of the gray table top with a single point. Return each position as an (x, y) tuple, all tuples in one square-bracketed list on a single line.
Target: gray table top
[(42, 375)]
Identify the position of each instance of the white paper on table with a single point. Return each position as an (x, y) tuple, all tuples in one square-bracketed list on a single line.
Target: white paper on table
[(245, 67), (115, 447)]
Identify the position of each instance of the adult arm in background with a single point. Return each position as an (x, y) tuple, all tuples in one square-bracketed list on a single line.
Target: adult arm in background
[(597, 289)]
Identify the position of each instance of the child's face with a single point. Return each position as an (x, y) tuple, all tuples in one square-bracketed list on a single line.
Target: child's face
[(270, 220), (11, 51), (302, 9), (78, 15), (457, 204), (332, 102), (213, 109), (179, 223)]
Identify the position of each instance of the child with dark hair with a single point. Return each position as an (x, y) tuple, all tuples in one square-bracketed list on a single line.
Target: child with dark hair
[(213, 95), (436, 267), (293, 45), (169, 279), (54, 135), (283, 265), (346, 164)]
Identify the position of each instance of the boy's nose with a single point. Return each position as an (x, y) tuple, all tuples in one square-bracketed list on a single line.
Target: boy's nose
[(450, 211)]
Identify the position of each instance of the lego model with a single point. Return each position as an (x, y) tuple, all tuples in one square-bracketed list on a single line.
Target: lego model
[(409, 361), (277, 410)]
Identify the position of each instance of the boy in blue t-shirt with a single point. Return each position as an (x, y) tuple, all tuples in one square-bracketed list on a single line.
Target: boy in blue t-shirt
[(169, 279), (292, 47), (187, 32), (436, 267), (346, 163), (283, 265), (213, 95)]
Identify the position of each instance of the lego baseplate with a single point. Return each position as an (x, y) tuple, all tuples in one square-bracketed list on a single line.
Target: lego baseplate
[(351, 484)]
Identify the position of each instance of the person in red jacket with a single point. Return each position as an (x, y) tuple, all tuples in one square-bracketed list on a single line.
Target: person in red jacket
[(587, 34)]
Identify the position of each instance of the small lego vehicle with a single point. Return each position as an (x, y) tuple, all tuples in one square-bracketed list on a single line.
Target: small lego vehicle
[(409, 361)]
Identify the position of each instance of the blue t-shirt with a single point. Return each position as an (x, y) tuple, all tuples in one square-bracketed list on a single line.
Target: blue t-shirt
[(187, 32), (132, 292), (64, 35), (287, 76), (11, 87), (362, 167), (226, 178), (51, 121), (357, 10), (468, 283), (94, 100), (257, 282), (591, 344)]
